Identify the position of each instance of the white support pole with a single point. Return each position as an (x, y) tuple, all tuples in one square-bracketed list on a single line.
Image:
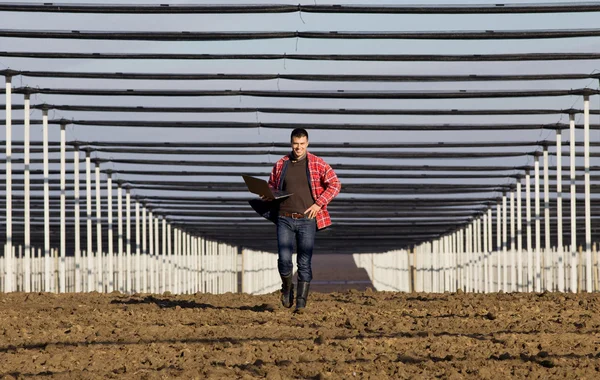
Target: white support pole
[(559, 213), (47, 282), (8, 255), (156, 254), (478, 262), (486, 258), (99, 252), (538, 243), (150, 257), (548, 256), (519, 281), (169, 286), (529, 238), (451, 263), (63, 210), (504, 244), (469, 242), (498, 245), (462, 254), (482, 253), (77, 212), (202, 264), (192, 262), (120, 269), (447, 270), (181, 258), (176, 261), (27, 195), (213, 267), (434, 267), (588, 212), (129, 283), (186, 266), (574, 260), (89, 237), (110, 263), (471, 255), (144, 259), (164, 287), (196, 264), (511, 256), (137, 265), (490, 249)]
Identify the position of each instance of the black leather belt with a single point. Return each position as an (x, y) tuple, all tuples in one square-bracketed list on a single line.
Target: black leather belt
[(293, 215)]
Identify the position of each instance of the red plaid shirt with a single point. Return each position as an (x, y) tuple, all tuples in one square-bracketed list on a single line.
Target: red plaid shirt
[(324, 184)]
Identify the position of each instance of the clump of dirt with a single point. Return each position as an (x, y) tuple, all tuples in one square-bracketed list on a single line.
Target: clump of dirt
[(377, 335)]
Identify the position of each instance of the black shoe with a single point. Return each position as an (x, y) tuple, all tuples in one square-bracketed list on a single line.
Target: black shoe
[(287, 291), (302, 295)]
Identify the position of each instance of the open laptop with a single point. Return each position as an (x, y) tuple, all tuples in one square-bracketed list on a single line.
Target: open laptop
[(261, 187)]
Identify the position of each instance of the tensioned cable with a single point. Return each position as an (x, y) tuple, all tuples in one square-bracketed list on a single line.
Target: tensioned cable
[(344, 145), (240, 207), (247, 212), (574, 7), (338, 94), (316, 111), (378, 154), (387, 155), (337, 35), (246, 164), (338, 200), (353, 224), (20, 205), (313, 126), (240, 186), (349, 145), (314, 57), (299, 77), (340, 174), (351, 190), (389, 225), (349, 209), (243, 202)]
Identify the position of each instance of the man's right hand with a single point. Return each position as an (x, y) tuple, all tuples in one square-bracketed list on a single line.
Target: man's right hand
[(266, 198)]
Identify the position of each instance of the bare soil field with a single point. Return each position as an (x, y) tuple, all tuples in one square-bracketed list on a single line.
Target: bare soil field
[(353, 334)]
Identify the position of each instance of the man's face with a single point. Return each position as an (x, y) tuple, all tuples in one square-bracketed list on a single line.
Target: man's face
[(299, 145)]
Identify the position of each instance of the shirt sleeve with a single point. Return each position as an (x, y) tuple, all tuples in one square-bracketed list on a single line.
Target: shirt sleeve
[(331, 184), (273, 177)]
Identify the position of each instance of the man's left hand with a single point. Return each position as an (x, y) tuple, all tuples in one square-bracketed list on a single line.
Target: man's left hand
[(312, 211)]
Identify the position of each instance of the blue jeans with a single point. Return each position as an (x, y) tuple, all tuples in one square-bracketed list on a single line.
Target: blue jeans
[(302, 231)]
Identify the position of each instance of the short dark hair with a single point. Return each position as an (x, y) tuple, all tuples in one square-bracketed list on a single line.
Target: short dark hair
[(299, 132)]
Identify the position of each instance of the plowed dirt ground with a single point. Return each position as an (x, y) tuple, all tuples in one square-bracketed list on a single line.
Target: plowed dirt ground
[(352, 334)]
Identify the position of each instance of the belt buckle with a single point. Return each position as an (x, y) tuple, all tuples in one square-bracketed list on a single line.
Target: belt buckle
[(296, 215)]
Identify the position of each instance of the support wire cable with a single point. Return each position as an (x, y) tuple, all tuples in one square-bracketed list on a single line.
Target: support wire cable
[(568, 56), (118, 8), (268, 35)]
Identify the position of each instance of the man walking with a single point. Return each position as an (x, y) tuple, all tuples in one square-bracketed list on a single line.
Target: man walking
[(313, 184)]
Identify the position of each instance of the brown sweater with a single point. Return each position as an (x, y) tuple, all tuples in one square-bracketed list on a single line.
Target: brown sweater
[(296, 182)]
